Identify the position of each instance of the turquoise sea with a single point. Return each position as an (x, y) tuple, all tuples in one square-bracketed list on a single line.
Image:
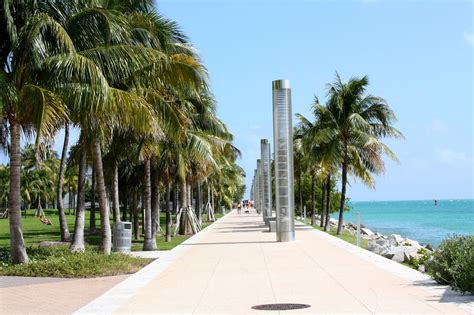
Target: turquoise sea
[(419, 220)]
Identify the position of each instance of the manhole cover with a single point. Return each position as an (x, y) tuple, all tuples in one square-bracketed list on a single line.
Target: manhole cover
[(280, 307)]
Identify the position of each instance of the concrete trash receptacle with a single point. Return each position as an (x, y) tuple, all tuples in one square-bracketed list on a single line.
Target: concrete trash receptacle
[(268, 220), (122, 237), (273, 226)]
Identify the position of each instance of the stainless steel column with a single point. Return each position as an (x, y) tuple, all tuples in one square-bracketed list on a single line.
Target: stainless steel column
[(255, 189), (261, 186), (251, 189), (267, 179), (283, 150)]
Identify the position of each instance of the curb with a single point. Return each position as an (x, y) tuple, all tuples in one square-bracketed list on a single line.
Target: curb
[(113, 299)]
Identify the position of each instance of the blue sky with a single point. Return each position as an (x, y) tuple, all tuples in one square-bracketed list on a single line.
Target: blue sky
[(418, 56)]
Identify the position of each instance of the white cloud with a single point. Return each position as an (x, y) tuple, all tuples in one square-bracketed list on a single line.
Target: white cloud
[(469, 38), (452, 157)]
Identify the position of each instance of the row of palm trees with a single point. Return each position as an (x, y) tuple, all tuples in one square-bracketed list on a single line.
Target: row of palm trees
[(130, 81), (345, 138), (38, 182)]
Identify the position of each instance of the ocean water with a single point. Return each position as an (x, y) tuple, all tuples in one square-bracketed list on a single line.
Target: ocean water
[(419, 220)]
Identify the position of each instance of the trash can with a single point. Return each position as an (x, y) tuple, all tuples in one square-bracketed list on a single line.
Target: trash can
[(272, 226), (122, 237)]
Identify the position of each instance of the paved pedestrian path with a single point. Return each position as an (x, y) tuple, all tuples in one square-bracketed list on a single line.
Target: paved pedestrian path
[(235, 264), (40, 295)]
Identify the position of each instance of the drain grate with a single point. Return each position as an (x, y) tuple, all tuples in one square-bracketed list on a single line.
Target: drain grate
[(280, 307)]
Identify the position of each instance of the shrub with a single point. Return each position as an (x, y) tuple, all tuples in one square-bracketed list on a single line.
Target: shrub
[(421, 260), (453, 263), (60, 262)]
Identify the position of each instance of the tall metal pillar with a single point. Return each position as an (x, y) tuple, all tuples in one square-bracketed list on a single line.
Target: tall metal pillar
[(251, 190), (261, 187), (283, 148), (255, 190), (266, 176)]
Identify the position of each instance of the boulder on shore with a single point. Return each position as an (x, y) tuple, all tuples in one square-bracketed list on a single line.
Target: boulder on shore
[(382, 242), (367, 232), (377, 248), (395, 240), (411, 243), (396, 254)]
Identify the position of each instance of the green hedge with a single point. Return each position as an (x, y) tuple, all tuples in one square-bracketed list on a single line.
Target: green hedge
[(453, 263)]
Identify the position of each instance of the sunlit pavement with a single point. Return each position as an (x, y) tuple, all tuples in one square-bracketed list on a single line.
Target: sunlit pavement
[(41, 295), (236, 264)]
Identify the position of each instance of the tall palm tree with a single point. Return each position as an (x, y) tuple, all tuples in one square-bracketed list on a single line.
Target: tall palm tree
[(109, 60), (26, 99), (65, 235), (299, 166), (351, 127)]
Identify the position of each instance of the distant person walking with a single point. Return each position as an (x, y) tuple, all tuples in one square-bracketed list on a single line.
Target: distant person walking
[(239, 207)]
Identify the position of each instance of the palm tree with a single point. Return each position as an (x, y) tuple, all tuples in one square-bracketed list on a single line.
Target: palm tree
[(26, 100), (118, 69), (110, 68), (65, 235), (351, 127), (4, 183), (299, 166)]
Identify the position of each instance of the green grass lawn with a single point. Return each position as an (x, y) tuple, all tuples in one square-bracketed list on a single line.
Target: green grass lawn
[(35, 232), (345, 236)]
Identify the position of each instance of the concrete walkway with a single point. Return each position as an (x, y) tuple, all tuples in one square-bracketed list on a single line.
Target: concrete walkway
[(235, 264), (41, 295)]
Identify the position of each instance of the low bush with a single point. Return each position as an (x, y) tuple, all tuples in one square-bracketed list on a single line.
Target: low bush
[(423, 257), (60, 262), (453, 263)]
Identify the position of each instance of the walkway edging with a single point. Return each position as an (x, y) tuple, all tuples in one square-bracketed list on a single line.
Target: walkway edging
[(113, 299), (396, 269)]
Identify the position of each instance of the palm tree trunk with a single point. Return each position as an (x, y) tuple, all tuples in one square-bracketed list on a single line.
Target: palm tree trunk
[(150, 241), (115, 195), (134, 218), (155, 200), (300, 193), (168, 212), (184, 195), (69, 195), (343, 196), (199, 202), (39, 209), (328, 202), (323, 196), (184, 224), (77, 244), (17, 243), (208, 192), (65, 236), (313, 218), (190, 195), (212, 200), (92, 225), (142, 210), (175, 198), (125, 205), (104, 209)]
